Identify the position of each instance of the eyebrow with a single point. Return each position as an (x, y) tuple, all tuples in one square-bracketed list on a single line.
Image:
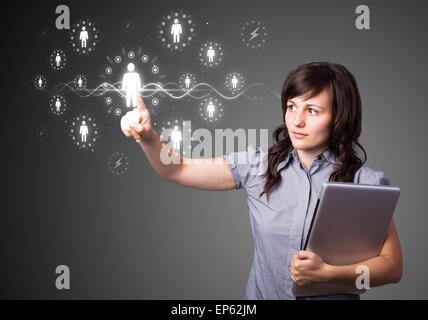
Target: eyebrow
[(309, 104)]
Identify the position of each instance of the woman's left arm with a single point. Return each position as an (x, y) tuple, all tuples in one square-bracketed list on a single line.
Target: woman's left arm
[(386, 268)]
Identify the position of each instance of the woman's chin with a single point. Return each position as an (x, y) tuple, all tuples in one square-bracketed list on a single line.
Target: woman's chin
[(297, 144)]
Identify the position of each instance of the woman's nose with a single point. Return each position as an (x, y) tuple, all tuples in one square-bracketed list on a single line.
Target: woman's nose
[(299, 119)]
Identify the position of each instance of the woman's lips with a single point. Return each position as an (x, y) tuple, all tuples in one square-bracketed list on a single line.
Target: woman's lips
[(299, 136)]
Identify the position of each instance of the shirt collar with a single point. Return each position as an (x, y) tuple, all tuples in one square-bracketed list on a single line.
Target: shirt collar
[(327, 156)]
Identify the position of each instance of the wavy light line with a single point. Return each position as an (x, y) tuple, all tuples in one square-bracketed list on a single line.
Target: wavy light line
[(153, 88)]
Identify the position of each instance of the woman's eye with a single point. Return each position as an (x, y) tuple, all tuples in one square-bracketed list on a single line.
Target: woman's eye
[(310, 110)]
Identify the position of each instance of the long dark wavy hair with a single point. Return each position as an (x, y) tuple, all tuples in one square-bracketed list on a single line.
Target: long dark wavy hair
[(311, 79)]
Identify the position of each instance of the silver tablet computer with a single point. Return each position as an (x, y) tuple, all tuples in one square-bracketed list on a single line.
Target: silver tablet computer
[(349, 225)]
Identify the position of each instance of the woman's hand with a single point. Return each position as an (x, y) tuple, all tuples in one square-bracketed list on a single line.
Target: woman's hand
[(137, 123), (307, 267), (203, 174)]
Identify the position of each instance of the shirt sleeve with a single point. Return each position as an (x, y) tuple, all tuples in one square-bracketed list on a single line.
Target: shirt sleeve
[(245, 166), (382, 178), (366, 175)]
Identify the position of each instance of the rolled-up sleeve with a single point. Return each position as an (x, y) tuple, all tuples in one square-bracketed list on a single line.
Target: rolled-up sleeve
[(230, 159), (245, 165), (367, 175), (382, 178)]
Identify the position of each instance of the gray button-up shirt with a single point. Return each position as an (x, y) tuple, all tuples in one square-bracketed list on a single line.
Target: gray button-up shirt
[(280, 227)]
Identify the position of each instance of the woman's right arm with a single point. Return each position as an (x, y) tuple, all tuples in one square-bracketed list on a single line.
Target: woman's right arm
[(204, 174)]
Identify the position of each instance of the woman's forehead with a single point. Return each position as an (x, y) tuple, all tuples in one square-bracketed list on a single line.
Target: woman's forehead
[(322, 99)]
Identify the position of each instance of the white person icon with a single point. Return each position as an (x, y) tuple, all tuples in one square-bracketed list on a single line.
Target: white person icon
[(83, 131), (57, 104), (176, 30), (234, 82), (83, 36), (131, 84), (210, 54), (187, 82), (210, 109), (58, 60), (176, 138)]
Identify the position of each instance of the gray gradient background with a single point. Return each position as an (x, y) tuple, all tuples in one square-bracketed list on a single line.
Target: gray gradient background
[(139, 237)]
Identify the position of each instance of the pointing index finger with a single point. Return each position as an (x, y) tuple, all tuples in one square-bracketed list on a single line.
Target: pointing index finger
[(140, 104)]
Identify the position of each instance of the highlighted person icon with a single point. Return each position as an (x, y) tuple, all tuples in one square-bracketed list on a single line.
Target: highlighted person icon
[(187, 82), (210, 54), (210, 109), (234, 82), (58, 104), (131, 84), (83, 131), (84, 36), (58, 60), (176, 138), (176, 30)]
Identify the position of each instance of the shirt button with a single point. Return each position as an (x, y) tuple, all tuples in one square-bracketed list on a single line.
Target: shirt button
[(319, 158)]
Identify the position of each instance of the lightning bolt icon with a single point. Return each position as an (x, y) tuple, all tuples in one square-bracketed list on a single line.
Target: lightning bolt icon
[(254, 33), (118, 163)]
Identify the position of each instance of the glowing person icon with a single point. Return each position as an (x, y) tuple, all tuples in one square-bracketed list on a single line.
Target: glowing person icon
[(131, 84), (58, 104), (40, 82), (80, 82), (187, 82), (176, 138), (234, 82), (83, 37), (210, 109), (83, 131), (176, 30), (58, 60), (210, 54)]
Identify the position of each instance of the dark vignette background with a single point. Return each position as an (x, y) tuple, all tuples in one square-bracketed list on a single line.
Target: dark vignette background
[(139, 237)]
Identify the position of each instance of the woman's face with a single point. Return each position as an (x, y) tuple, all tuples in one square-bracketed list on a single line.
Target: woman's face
[(311, 117)]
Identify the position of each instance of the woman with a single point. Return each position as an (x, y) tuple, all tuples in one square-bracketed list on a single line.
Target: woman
[(322, 123)]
